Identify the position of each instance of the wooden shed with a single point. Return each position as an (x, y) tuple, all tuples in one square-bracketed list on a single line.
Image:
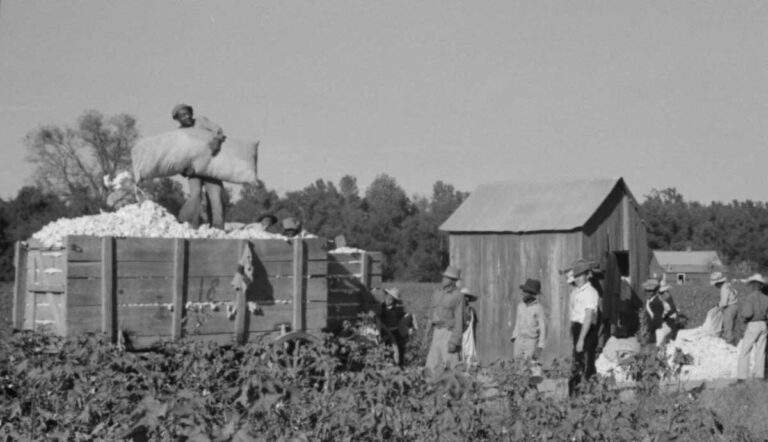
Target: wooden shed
[(509, 231)]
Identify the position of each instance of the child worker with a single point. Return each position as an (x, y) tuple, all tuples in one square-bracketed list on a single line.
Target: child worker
[(530, 332)]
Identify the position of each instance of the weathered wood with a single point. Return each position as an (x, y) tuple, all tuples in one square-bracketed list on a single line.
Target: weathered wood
[(84, 292), (108, 293), (219, 288), (275, 269), (126, 269), (50, 313), (145, 249), (241, 304), (266, 318), (47, 270), (83, 248), (20, 284), (354, 267), (179, 285), (299, 261)]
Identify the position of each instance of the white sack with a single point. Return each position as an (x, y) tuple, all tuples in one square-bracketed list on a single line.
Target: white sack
[(171, 153)]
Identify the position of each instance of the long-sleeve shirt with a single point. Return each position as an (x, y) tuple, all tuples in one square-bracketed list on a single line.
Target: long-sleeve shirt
[(755, 307), (448, 311), (727, 295), (531, 323)]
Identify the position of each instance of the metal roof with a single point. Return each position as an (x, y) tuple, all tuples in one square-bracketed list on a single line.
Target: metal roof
[(701, 261), (526, 207)]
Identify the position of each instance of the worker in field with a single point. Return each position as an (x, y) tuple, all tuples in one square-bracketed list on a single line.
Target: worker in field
[(291, 227), (191, 211), (754, 312), (530, 332), (584, 302), (661, 310), (392, 318), (267, 221), (446, 320), (728, 305), (469, 327)]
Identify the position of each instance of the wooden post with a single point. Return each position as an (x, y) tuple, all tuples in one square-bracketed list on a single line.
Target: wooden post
[(108, 292), (365, 270), (179, 286), (625, 224), (19, 284), (299, 307), (241, 306)]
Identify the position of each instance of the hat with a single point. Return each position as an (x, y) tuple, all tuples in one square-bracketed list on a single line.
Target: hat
[(651, 285), (468, 293), (178, 108), (569, 278), (452, 272), (393, 292), (267, 215), (717, 278), (582, 266), (664, 287), (757, 278), (291, 223), (532, 286)]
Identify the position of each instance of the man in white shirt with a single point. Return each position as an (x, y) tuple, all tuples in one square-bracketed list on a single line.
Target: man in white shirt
[(583, 314)]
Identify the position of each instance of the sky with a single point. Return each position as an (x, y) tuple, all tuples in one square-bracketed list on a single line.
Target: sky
[(664, 94)]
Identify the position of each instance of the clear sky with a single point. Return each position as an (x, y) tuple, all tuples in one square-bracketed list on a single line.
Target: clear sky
[(665, 94)]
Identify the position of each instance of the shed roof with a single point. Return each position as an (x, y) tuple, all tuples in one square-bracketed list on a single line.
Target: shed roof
[(526, 207), (698, 261)]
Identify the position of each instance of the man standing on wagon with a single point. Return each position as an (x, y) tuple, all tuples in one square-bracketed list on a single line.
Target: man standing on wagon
[(191, 210), (583, 312), (447, 318)]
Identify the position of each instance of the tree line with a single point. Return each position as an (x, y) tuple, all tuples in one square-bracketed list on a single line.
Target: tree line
[(70, 163)]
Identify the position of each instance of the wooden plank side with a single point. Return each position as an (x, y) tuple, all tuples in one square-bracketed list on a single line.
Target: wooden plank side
[(352, 267), (125, 269), (219, 288), (50, 313), (83, 319), (84, 292), (145, 249), (282, 250), (19, 284), (270, 268), (83, 248), (266, 318), (145, 320), (47, 270)]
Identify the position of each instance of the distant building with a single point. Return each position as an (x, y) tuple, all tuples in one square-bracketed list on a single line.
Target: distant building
[(685, 267), (509, 231)]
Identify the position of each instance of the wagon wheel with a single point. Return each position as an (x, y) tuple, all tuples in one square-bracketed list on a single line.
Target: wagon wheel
[(292, 343)]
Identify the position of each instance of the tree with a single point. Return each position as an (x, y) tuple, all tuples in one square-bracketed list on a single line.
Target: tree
[(71, 162), (255, 199)]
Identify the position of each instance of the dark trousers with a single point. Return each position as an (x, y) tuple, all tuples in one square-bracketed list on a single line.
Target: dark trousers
[(583, 363)]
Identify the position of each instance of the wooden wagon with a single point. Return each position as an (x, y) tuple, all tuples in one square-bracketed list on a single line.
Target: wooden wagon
[(149, 290)]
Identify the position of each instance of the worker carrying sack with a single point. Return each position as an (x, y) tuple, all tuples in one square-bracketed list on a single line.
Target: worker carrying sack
[(187, 150)]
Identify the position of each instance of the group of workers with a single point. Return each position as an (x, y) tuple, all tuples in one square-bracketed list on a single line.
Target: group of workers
[(751, 310), (209, 190), (450, 304)]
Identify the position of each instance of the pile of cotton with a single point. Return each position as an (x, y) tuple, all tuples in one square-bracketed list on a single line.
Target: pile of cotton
[(145, 220), (341, 250)]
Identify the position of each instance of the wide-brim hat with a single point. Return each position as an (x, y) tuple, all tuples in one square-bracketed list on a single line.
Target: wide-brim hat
[(716, 278), (757, 277), (570, 278), (264, 216), (581, 266), (393, 292), (176, 109), (664, 287), (532, 286), (468, 293), (651, 285), (452, 272)]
